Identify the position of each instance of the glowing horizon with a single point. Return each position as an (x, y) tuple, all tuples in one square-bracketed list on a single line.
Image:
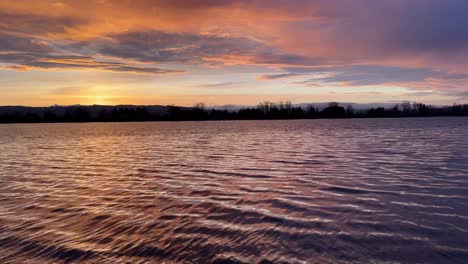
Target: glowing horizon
[(232, 52)]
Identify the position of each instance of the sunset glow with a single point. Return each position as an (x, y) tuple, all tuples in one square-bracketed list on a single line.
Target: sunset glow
[(232, 52), (233, 131)]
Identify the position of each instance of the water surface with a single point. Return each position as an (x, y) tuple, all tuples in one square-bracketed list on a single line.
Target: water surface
[(315, 191)]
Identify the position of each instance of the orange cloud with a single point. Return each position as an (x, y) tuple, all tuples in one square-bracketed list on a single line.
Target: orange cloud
[(146, 36)]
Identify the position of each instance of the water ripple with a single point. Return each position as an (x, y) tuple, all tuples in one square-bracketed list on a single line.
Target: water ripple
[(315, 191)]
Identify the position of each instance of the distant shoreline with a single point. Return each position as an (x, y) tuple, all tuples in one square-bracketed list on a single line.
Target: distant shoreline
[(229, 120), (199, 112)]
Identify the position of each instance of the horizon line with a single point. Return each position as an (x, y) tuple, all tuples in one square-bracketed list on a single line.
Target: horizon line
[(236, 105)]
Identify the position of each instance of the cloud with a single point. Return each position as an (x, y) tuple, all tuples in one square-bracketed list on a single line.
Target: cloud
[(297, 32), (159, 46), (420, 80), (38, 25), (396, 32), (37, 61), (25, 53), (278, 76), (9, 43), (462, 94), (153, 46), (364, 75), (333, 30), (428, 26), (414, 44), (217, 85), (71, 90), (420, 94), (308, 83)]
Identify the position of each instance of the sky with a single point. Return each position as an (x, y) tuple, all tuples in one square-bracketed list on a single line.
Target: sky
[(232, 51)]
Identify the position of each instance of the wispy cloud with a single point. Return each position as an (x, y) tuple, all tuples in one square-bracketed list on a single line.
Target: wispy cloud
[(27, 23), (278, 76), (71, 90), (23, 55), (217, 85)]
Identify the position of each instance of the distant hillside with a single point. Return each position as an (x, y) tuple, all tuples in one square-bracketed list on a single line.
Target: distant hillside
[(93, 110)]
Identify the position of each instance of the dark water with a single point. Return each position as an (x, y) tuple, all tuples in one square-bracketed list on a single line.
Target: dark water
[(320, 191)]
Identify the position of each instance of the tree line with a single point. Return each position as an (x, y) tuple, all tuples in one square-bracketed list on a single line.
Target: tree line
[(264, 110)]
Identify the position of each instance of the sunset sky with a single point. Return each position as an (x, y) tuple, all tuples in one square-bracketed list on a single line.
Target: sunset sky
[(232, 52)]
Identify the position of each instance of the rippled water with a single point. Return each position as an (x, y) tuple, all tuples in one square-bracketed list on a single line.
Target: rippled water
[(317, 191)]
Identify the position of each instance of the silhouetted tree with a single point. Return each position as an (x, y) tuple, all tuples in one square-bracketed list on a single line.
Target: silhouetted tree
[(264, 110), (199, 112), (334, 110), (77, 114), (349, 111), (312, 112), (394, 112), (174, 112), (50, 117), (406, 107)]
